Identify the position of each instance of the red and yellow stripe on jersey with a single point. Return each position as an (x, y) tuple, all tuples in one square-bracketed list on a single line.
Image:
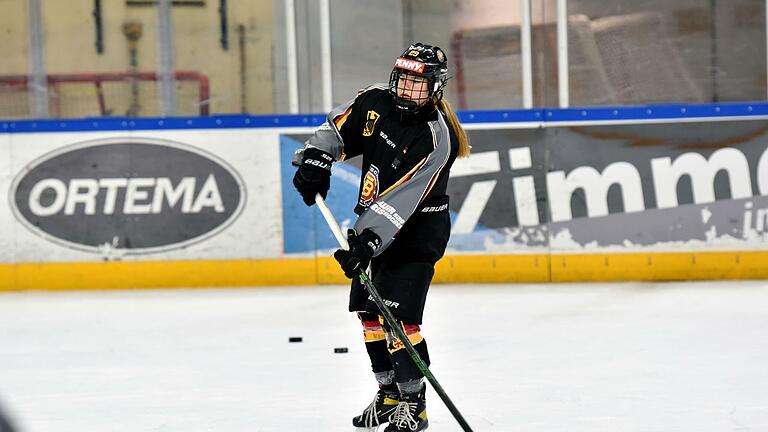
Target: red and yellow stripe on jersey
[(405, 178), (340, 119)]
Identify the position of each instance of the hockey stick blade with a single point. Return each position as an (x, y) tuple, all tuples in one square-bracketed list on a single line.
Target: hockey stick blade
[(391, 320)]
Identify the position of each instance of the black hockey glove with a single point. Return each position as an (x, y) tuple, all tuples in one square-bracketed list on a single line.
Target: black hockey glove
[(314, 175), (361, 249)]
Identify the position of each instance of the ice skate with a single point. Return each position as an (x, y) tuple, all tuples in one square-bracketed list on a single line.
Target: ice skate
[(379, 411), (410, 415)]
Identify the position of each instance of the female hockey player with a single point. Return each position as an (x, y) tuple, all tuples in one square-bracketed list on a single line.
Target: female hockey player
[(409, 137)]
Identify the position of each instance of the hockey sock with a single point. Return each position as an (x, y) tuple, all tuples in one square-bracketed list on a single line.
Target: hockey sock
[(376, 345), (405, 369)]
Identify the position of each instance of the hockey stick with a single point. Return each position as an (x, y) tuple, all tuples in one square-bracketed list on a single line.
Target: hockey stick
[(391, 320)]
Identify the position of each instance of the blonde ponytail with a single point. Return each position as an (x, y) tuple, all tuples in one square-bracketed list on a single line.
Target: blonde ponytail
[(464, 147)]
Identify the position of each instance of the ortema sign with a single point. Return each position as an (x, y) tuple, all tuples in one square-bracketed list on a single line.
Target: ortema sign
[(136, 195)]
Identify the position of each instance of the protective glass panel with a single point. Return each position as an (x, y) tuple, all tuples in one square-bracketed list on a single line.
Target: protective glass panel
[(223, 57), (487, 55), (481, 38), (14, 95), (651, 51), (122, 58), (364, 38)]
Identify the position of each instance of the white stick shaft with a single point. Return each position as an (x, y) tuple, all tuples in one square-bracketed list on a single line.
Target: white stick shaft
[(331, 222)]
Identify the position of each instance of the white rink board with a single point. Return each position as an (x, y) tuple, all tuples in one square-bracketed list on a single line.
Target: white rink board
[(7, 221), (253, 153), (260, 237)]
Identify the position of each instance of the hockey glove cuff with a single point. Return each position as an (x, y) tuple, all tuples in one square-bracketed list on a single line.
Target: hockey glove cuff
[(361, 249), (314, 175)]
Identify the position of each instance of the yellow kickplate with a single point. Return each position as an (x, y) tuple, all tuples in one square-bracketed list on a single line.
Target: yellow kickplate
[(660, 266), (156, 274), (325, 270)]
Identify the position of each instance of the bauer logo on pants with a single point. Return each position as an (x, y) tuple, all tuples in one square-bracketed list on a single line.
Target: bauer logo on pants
[(135, 195)]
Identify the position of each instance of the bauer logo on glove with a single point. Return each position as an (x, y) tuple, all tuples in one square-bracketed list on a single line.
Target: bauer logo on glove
[(361, 249), (314, 175)]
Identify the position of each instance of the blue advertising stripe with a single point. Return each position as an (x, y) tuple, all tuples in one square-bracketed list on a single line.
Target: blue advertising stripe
[(503, 116), (155, 123), (586, 114), (658, 112), (299, 230)]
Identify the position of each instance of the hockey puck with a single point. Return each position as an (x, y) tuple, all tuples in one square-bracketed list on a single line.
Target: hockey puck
[(340, 350), (294, 339)]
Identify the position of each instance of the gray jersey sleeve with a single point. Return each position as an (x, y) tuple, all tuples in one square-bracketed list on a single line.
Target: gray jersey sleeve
[(327, 137), (387, 215)]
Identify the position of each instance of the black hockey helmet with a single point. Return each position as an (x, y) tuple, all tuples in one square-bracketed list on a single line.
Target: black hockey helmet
[(425, 61)]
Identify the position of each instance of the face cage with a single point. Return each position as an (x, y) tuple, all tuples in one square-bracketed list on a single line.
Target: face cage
[(412, 107)]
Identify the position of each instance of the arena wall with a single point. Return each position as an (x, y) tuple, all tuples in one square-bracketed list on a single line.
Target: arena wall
[(651, 193)]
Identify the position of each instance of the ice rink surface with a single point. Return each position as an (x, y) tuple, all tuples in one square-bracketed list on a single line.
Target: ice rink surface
[(573, 357)]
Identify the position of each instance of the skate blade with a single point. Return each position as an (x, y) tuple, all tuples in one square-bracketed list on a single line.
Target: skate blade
[(367, 429)]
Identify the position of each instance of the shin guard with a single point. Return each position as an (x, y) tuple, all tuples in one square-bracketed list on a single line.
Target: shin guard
[(375, 343), (405, 368)]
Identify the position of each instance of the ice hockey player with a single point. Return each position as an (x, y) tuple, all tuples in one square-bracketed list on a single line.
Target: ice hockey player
[(408, 137)]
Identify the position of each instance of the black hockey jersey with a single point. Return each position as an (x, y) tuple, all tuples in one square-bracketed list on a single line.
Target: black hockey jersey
[(406, 159)]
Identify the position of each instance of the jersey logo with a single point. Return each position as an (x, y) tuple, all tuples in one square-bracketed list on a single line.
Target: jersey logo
[(370, 186), (370, 122)]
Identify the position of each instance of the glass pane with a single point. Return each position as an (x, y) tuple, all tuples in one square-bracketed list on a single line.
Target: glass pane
[(229, 56), (222, 57), (14, 100), (365, 38), (651, 51), (225, 46), (363, 54), (487, 59), (481, 38), (102, 58), (544, 53)]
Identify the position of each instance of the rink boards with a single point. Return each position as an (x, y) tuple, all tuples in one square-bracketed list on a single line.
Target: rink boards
[(646, 193)]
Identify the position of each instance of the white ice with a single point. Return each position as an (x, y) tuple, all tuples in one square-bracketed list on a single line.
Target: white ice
[(577, 357)]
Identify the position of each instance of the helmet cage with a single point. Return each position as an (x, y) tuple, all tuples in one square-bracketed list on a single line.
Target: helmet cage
[(421, 61)]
